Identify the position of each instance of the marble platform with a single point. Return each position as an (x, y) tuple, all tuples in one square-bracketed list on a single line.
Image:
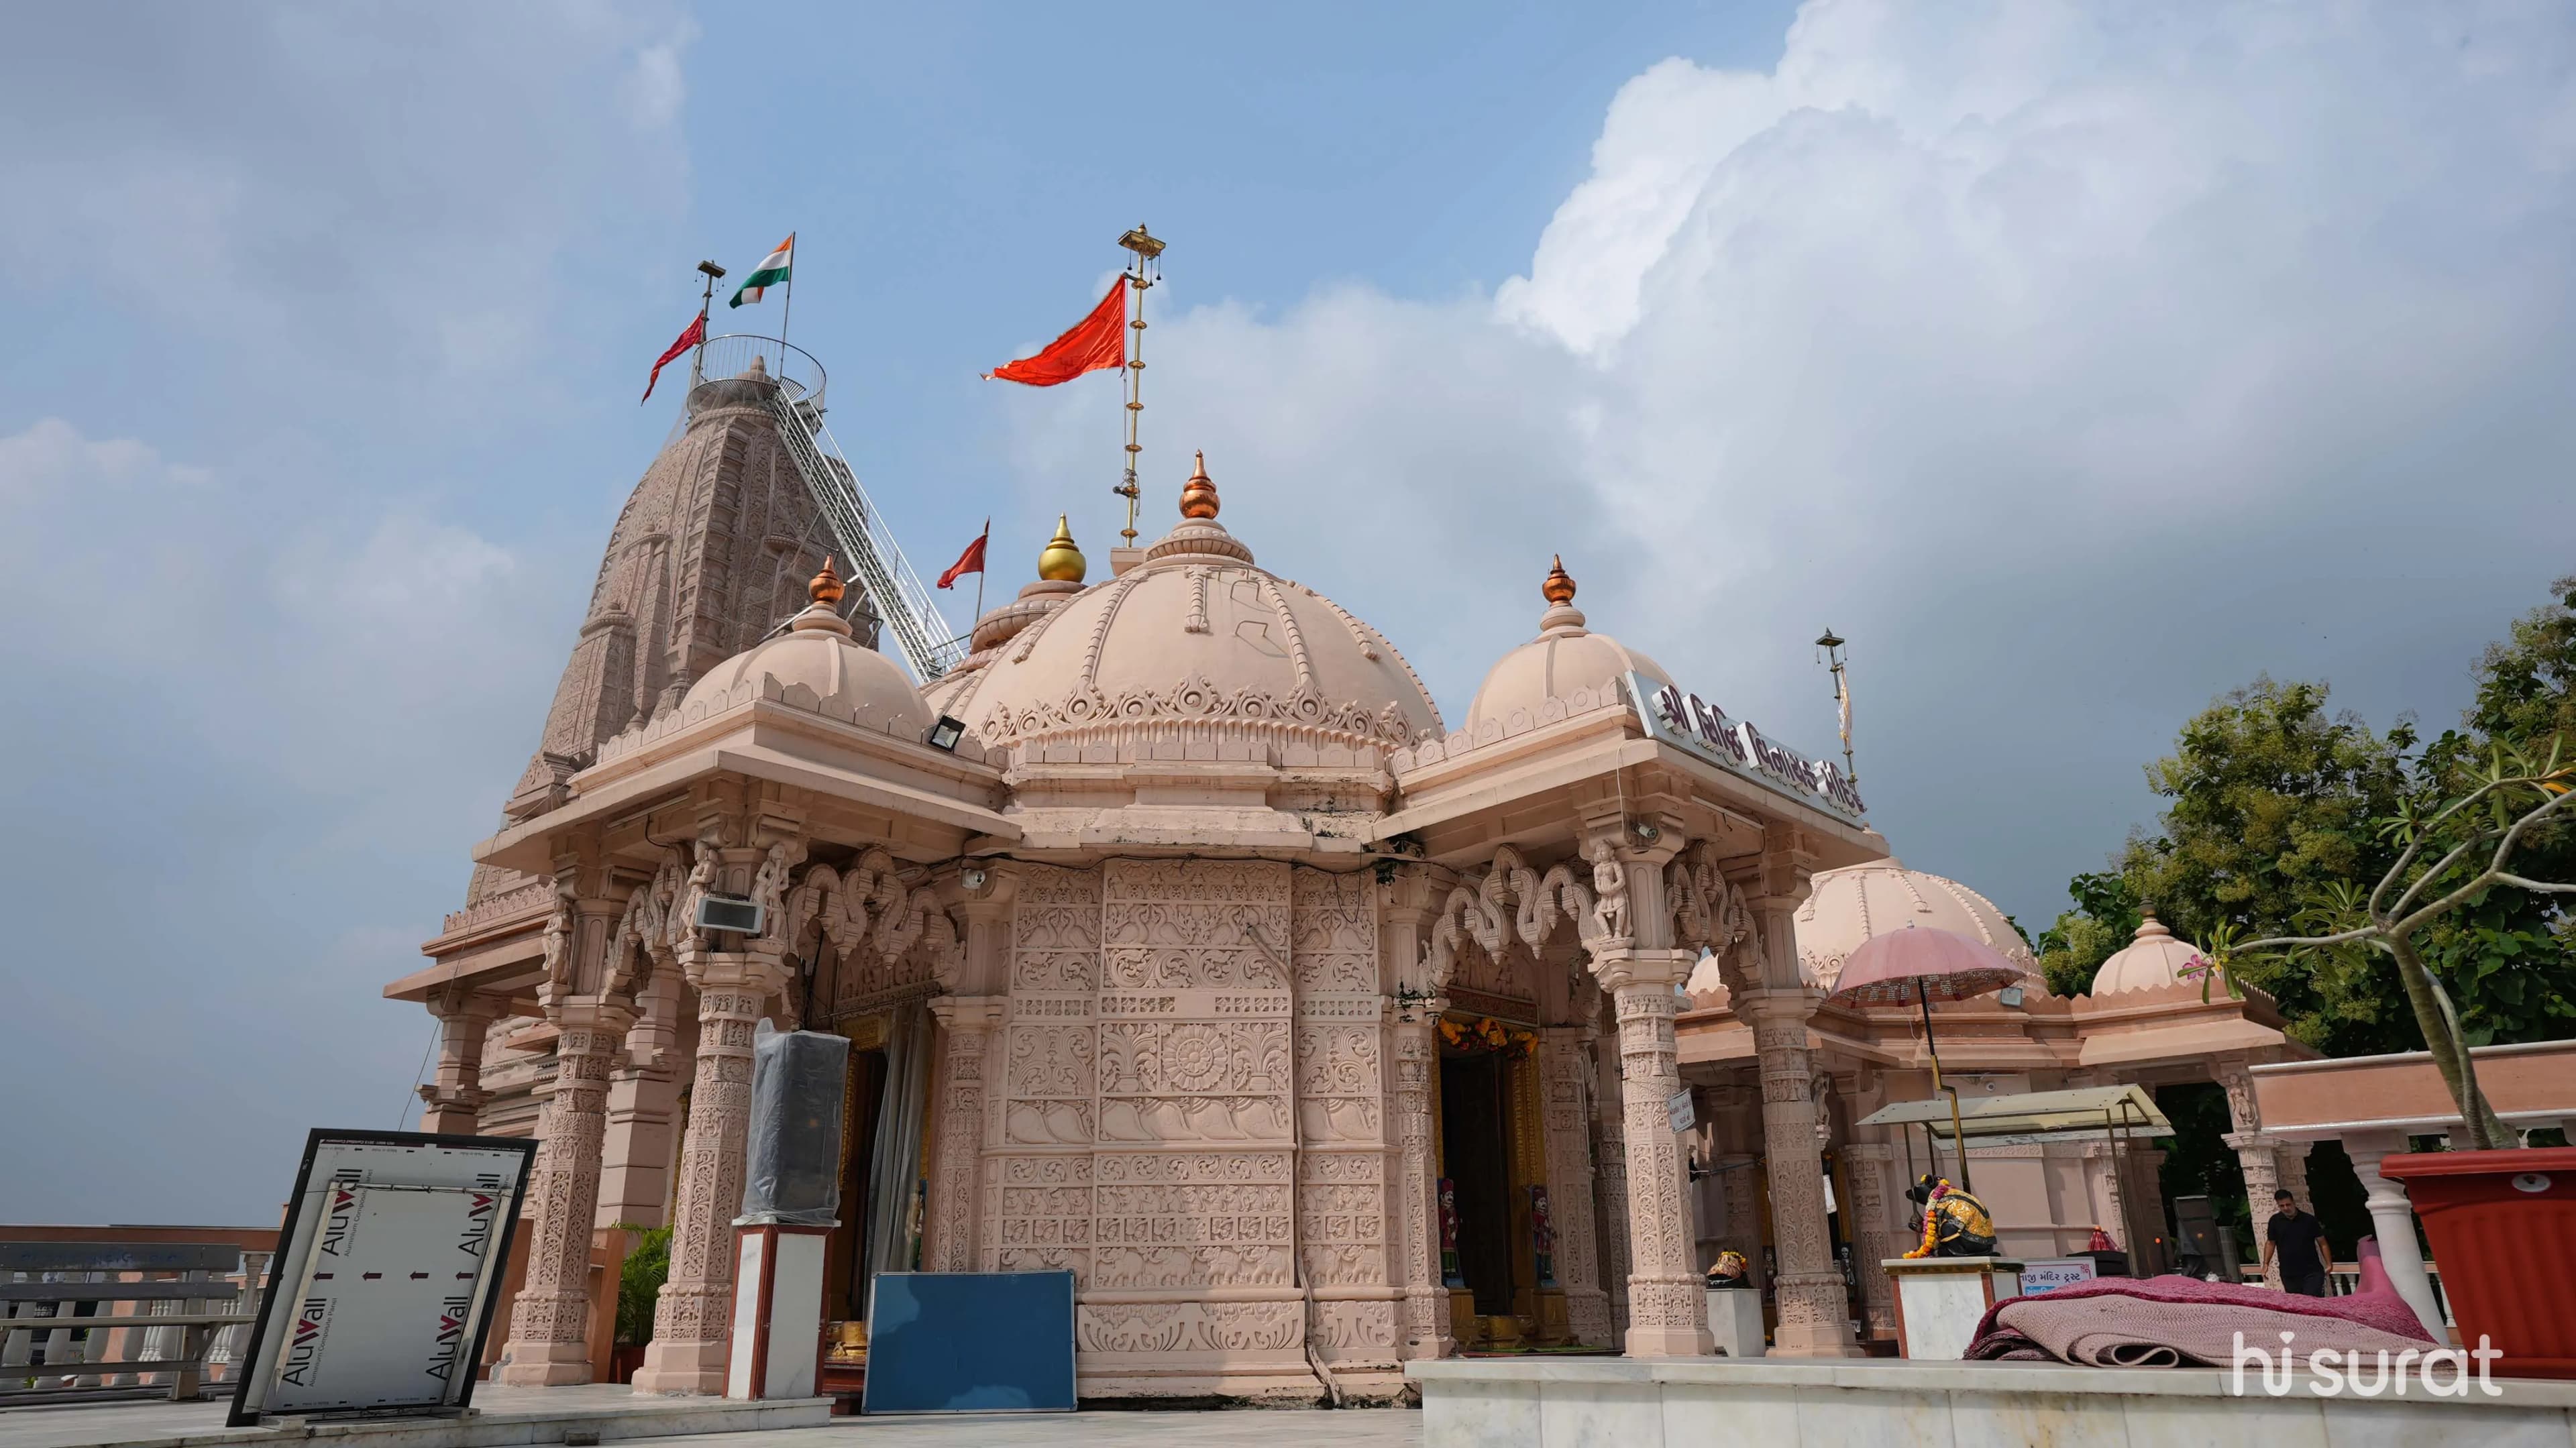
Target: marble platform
[(501, 1418), (1858, 1403)]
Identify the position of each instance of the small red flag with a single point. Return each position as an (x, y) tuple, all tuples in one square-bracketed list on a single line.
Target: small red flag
[(1097, 341), (970, 561), (696, 333)]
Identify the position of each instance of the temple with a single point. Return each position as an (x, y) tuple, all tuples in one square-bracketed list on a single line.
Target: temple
[(1183, 944)]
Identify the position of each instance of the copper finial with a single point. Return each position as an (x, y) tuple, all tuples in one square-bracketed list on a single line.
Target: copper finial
[(1559, 587), (826, 587), (1198, 495)]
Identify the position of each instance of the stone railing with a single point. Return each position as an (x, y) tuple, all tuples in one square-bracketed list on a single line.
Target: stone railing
[(536, 895)]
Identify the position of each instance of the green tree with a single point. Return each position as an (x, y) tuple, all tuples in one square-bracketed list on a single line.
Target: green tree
[(2275, 804), (2104, 919), (2271, 796)]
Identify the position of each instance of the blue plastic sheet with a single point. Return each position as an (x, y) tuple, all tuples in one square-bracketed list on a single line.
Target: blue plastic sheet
[(970, 1342)]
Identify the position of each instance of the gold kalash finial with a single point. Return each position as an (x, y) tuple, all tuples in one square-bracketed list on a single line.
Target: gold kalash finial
[(1142, 273), (1198, 495), (826, 588), (1559, 587), (1061, 562)]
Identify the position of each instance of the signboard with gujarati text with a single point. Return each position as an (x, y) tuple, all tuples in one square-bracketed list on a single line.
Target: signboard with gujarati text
[(1701, 729)]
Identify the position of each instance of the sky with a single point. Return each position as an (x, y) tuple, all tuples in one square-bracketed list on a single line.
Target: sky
[(2077, 363)]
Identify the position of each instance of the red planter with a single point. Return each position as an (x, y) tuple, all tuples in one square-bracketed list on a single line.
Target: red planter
[(2503, 1226)]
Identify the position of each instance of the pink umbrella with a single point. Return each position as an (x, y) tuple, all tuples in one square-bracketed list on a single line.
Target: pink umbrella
[(1928, 965)]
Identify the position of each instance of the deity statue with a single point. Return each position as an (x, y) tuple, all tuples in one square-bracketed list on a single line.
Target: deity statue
[(1542, 1237), (1610, 890)]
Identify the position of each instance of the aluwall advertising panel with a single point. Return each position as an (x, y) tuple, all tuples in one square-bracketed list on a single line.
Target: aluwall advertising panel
[(1702, 730), (385, 1278)]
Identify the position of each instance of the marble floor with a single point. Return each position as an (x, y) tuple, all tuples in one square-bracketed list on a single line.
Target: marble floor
[(1239, 1428)]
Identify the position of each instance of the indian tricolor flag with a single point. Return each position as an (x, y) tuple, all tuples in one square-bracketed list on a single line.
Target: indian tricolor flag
[(769, 273)]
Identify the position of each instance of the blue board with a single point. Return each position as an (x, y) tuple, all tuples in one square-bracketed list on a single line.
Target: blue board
[(970, 1342)]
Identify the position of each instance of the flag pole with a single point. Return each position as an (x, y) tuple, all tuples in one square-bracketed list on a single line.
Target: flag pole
[(706, 300), (787, 304), (980, 572), (1142, 273)]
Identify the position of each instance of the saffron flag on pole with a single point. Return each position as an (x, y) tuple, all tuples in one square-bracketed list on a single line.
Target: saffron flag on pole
[(695, 334), (772, 270), (970, 561), (1095, 342)]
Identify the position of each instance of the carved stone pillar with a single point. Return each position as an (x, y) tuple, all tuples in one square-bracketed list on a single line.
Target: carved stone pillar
[(1666, 1315), (2392, 1219), (2254, 1153), (1815, 1314), (1815, 1311), (643, 1099), (966, 1025), (2290, 1159), (692, 1322), (1610, 1157), (453, 1099), (1426, 1302), (1412, 1013), (1868, 1163), (1565, 1066), (550, 1322)]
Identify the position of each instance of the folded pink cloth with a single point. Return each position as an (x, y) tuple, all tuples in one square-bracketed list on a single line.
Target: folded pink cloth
[(2171, 1321)]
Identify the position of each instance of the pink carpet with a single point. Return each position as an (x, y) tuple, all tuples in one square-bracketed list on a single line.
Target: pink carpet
[(2173, 1321)]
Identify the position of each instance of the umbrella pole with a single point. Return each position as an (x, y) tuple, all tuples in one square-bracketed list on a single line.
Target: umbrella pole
[(1958, 1137)]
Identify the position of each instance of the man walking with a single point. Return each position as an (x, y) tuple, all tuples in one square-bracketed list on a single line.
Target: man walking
[(2300, 1240)]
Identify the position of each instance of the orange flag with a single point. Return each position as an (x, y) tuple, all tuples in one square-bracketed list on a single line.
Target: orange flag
[(970, 561), (1095, 342)]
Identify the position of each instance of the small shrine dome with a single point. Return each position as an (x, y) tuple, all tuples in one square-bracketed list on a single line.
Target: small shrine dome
[(817, 664), (1563, 658), (1848, 906), (1194, 635), (2153, 957)]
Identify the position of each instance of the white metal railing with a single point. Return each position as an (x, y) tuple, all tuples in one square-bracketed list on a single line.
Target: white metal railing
[(859, 533)]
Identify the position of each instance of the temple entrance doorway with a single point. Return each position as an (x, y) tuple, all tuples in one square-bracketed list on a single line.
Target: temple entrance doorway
[(1478, 1149), (1491, 1156)]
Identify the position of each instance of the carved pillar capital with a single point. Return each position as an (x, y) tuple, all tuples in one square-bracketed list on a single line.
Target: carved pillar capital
[(453, 1098), (1621, 968)]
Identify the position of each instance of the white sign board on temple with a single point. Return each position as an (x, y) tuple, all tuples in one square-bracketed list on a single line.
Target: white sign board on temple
[(1697, 727)]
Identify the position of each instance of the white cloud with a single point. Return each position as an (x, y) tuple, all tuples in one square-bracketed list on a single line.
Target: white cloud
[(2077, 363)]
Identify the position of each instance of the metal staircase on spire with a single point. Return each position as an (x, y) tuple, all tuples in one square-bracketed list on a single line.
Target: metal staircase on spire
[(858, 529)]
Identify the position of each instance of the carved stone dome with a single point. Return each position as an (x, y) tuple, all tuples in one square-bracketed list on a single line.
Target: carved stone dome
[(816, 665), (1563, 658), (1849, 905), (1196, 635), (2153, 957)]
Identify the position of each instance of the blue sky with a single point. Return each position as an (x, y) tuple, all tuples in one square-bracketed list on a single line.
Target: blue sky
[(2076, 365)]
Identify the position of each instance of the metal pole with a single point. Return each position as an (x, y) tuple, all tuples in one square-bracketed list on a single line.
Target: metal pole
[(1958, 1136), (787, 305), (987, 536)]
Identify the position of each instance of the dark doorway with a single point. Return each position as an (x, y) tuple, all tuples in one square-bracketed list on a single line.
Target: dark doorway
[(1474, 1146), (845, 1264)]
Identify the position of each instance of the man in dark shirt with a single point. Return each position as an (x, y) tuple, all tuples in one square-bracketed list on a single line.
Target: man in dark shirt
[(2300, 1241)]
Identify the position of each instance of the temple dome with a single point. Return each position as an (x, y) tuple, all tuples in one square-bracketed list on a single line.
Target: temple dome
[(816, 664), (1847, 906), (1563, 658), (1196, 633), (2153, 957)]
